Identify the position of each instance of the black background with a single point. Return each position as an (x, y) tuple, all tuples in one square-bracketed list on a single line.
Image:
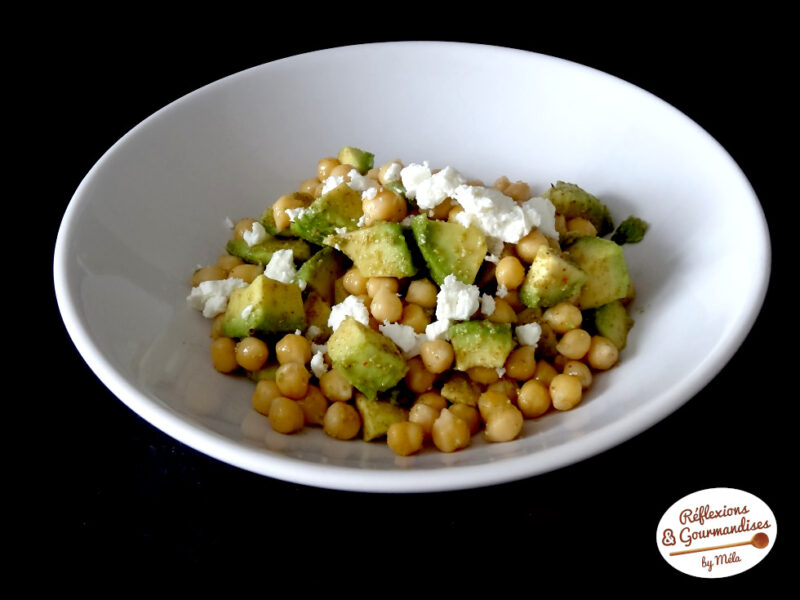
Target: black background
[(113, 492)]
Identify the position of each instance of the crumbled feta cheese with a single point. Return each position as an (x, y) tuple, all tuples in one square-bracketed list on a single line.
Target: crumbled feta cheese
[(281, 266), (319, 348), (456, 300), (332, 182), (432, 191), (295, 213), (404, 336), (499, 216), (318, 366), (412, 175), (487, 305), (369, 193), (502, 291), (255, 235), (438, 330), (352, 306), (313, 332), (500, 371), (340, 230), (362, 220), (211, 297), (407, 221), (529, 334), (392, 172), (361, 183)]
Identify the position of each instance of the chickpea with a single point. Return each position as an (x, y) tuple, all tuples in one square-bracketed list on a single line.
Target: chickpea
[(433, 399), (503, 424), (442, 210), (354, 282), (216, 326), (384, 206), (418, 378), (565, 391), (563, 317), (454, 212), (501, 183), (483, 375), (544, 372), (469, 414), (242, 226), (341, 421), (228, 261), (491, 401), (521, 363), (341, 170), (309, 187), (335, 386), (314, 406), (422, 292), (529, 245), (209, 273), (581, 226), (574, 343), (292, 379), (251, 353), (450, 433), (283, 203), (580, 370), (223, 355), (286, 416), (415, 317), (437, 355), (519, 191), (376, 284), (325, 166), (533, 399), (603, 354), (503, 313), (266, 391), (506, 386), (561, 224), (293, 348), (509, 272), (423, 415), (246, 272), (385, 168), (405, 438), (386, 306)]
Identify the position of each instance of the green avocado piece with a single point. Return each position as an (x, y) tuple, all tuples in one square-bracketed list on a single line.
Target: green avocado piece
[(449, 248), (572, 201), (321, 271), (460, 389), (613, 322), (318, 311), (336, 209), (606, 272), (360, 160), (630, 231), (481, 343), (377, 416), (369, 360), (261, 253), (267, 218), (380, 250), (265, 306), (551, 278)]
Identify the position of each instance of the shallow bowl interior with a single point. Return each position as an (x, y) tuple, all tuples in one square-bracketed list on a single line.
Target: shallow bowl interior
[(156, 204)]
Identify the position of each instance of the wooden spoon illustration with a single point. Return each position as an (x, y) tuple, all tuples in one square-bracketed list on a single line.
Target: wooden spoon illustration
[(759, 540)]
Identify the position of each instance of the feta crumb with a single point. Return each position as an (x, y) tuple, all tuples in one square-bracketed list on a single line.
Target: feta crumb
[(438, 330), (295, 213), (412, 175), (392, 172), (313, 332), (407, 221), (352, 306), (500, 371), (404, 336), (487, 305), (255, 235), (369, 193), (211, 297), (281, 266), (362, 220), (432, 191), (502, 291), (319, 348), (340, 230), (332, 182), (529, 334), (456, 300), (318, 366)]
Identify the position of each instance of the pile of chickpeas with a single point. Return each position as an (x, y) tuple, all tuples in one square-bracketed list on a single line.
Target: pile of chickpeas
[(554, 376)]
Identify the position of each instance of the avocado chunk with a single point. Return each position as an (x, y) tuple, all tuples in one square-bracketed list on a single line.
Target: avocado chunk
[(572, 201), (481, 343), (361, 160), (460, 389), (630, 231), (261, 253), (551, 279), (320, 272), (336, 209), (449, 248), (267, 218), (265, 306), (380, 250), (318, 310), (377, 416), (613, 322), (606, 272), (369, 360)]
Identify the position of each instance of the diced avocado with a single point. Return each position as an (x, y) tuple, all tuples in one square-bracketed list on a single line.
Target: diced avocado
[(449, 248), (573, 201), (339, 291), (377, 416), (261, 253), (318, 310), (606, 273), (380, 250), (397, 187), (461, 389), (481, 344), (359, 159), (613, 322), (369, 360), (320, 272), (338, 208), (551, 278), (265, 306), (267, 218), (630, 231)]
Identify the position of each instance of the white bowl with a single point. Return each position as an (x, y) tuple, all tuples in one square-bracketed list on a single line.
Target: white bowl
[(154, 207)]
